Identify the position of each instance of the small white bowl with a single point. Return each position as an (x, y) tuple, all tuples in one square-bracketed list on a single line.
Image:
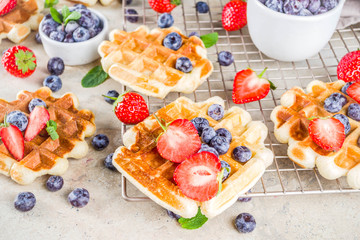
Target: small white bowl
[(288, 37), (77, 53)]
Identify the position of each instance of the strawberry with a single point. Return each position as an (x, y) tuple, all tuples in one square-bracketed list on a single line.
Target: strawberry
[(328, 133), (130, 108), (179, 140), (13, 140), (234, 15), (162, 6), (249, 87), (354, 91), (19, 61), (197, 176), (6, 6), (37, 122), (348, 68)]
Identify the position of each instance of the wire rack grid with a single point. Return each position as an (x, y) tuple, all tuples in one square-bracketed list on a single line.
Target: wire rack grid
[(283, 177)]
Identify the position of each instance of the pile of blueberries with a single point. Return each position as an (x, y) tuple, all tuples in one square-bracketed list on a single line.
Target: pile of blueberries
[(301, 7), (87, 26)]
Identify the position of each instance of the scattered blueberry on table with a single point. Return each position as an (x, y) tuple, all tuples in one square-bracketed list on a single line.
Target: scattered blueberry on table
[(100, 142), (25, 201), (111, 93), (108, 162), (165, 20), (132, 15), (225, 58), (245, 199), (56, 66), (53, 82), (173, 215), (38, 38), (202, 7), (54, 183), (245, 223), (79, 197)]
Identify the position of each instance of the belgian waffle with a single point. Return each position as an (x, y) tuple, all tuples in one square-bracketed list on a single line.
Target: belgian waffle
[(139, 60), (17, 24), (142, 165), (44, 155), (291, 126)]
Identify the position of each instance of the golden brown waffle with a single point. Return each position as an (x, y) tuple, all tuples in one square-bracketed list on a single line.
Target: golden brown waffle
[(44, 155), (17, 24), (141, 164), (139, 60), (291, 126)]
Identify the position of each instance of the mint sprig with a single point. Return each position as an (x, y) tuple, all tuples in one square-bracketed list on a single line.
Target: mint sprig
[(65, 16), (210, 39), (51, 127), (50, 3), (194, 222), (94, 77)]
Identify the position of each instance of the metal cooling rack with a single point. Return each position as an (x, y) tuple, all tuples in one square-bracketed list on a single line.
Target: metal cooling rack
[(283, 177)]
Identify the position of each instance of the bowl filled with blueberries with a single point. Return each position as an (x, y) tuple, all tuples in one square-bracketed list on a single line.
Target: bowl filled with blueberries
[(292, 30), (73, 34)]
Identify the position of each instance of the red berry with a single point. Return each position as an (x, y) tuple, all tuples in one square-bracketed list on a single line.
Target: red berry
[(131, 108), (13, 140), (234, 15), (6, 6), (348, 68), (19, 61), (37, 122), (162, 6), (354, 91), (197, 176)]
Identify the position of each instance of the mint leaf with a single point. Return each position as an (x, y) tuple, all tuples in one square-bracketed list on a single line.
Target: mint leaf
[(210, 39), (51, 127), (65, 12), (94, 77), (193, 223), (50, 3), (72, 17), (56, 15)]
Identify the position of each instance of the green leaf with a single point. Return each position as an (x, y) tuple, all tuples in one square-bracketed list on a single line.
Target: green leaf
[(56, 15), (193, 223), (94, 77), (50, 3), (72, 17), (51, 127), (210, 39), (65, 12), (175, 2), (219, 178)]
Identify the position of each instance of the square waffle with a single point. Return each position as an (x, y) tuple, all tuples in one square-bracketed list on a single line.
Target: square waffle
[(42, 154), (17, 24), (291, 126), (142, 165), (139, 60)]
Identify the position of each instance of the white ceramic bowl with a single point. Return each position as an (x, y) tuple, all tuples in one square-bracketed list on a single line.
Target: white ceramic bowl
[(287, 37), (77, 53)]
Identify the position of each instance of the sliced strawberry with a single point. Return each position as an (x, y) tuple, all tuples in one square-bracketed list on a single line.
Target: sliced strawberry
[(249, 87), (328, 133), (13, 140), (354, 91), (197, 176), (37, 122), (179, 141)]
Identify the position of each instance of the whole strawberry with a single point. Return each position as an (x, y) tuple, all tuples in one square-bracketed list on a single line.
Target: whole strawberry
[(19, 61), (162, 6), (348, 68), (130, 108), (234, 15), (6, 6)]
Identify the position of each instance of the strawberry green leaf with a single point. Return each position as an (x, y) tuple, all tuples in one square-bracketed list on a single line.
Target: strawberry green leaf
[(118, 100), (210, 39), (25, 61), (94, 77), (194, 222), (72, 17), (56, 15), (51, 127), (175, 2), (50, 3)]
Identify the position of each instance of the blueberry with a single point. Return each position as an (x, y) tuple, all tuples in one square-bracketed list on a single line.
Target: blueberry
[(276, 5), (262, 1), (207, 134), (345, 87), (100, 142), (35, 102), (81, 34), (86, 19), (71, 26), (321, 10), (51, 23), (80, 6), (79, 197), (245, 199), (108, 162), (216, 112), (25, 201), (57, 36), (194, 34), (206, 148), (200, 123), (132, 15), (47, 29), (245, 223), (353, 111), (53, 82), (305, 3), (165, 20), (344, 120), (202, 7), (184, 64), (314, 6), (225, 58), (241, 154), (335, 102), (329, 4), (224, 133), (69, 38), (38, 38), (18, 119), (221, 144), (97, 21), (92, 32), (173, 41), (55, 66), (111, 93), (304, 12), (292, 6), (227, 169), (54, 183), (128, 2), (172, 215)]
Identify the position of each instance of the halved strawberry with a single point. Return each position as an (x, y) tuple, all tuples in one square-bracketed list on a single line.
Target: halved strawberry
[(354, 91), (328, 133), (37, 122), (179, 141), (13, 140), (249, 87), (197, 176), (6, 6)]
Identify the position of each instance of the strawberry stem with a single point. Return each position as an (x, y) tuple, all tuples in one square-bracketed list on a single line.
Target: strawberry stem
[(118, 99), (219, 178), (262, 73), (113, 98), (175, 2), (161, 125), (314, 117), (5, 123)]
